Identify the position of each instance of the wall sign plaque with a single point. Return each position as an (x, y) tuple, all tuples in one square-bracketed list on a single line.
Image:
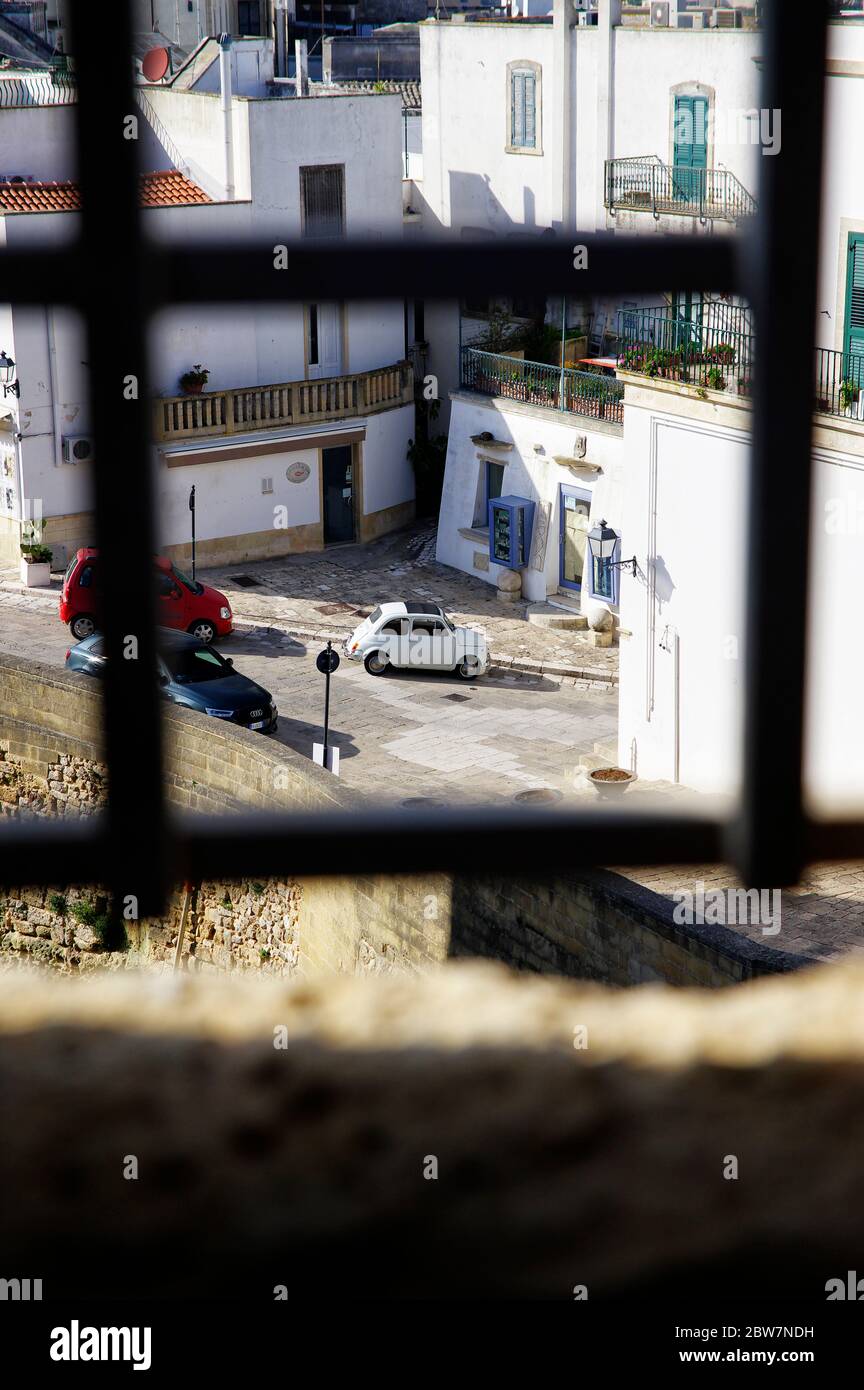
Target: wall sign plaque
[(297, 472)]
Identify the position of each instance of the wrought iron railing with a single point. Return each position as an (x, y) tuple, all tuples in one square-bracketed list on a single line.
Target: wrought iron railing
[(537, 383), (687, 351), (646, 184), (840, 383)]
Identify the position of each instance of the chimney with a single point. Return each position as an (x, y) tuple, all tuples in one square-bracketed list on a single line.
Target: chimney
[(301, 67), (282, 13), (227, 120)]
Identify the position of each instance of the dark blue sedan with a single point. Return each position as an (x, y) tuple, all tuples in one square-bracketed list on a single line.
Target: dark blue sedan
[(194, 675)]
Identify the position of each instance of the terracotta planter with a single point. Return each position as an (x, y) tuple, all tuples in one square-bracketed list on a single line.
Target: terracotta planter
[(193, 389)]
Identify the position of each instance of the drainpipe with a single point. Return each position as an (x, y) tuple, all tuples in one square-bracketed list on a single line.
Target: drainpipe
[(562, 106), (52, 381), (280, 36), (609, 15), (227, 122)]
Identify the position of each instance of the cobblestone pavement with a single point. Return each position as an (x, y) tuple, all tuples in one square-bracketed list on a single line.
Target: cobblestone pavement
[(404, 736), (326, 593)]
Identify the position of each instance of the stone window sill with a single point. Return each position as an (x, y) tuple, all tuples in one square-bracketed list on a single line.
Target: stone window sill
[(475, 533)]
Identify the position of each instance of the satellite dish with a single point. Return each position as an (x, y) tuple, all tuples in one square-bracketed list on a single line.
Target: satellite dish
[(156, 64)]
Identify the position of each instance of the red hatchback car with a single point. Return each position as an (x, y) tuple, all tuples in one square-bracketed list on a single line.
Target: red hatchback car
[(182, 603)]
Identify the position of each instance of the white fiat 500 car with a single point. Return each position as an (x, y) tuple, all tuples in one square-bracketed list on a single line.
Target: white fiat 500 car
[(416, 636)]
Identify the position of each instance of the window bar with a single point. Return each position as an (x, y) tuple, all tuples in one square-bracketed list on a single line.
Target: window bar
[(768, 847), (114, 291)]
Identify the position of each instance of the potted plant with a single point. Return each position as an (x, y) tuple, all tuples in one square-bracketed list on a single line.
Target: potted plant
[(849, 393), (192, 383), (714, 379), (35, 563)]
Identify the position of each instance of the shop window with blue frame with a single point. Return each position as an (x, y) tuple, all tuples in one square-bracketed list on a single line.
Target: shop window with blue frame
[(604, 577)]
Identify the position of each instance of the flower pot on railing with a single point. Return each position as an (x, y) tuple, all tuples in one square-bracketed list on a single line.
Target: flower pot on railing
[(192, 383)]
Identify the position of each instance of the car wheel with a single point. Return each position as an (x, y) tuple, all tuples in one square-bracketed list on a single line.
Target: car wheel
[(81, 627), (376, 663), (468, 669), (204, 631)]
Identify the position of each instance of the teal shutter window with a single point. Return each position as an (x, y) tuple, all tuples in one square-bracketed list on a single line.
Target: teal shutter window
[(854, 335), (523, 112), (690, 144)]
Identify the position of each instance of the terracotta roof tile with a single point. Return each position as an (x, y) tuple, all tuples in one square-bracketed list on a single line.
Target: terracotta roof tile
[(166, 188)]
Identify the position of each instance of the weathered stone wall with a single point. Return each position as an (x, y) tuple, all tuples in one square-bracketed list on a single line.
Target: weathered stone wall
[(595, 926), (602, 926), (582, 1137)]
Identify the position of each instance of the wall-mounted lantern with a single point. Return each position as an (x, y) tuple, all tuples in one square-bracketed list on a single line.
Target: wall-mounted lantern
[(11, 387), (602, 540)]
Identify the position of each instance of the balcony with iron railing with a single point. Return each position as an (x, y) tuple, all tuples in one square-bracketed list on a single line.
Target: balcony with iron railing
[(713, 358), (539, 384), (245, 409), (687, 351), (646, 184)]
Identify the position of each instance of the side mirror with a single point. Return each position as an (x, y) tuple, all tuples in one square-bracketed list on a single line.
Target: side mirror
[(229, 661), (163, 680)]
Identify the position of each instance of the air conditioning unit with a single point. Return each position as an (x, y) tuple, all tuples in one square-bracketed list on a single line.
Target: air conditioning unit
[(586, 18), (660, 14), (78, 448), (726, 19), (693, 19)]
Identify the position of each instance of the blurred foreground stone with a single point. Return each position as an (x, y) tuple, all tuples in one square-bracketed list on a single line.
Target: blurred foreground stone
[(558, 1165)]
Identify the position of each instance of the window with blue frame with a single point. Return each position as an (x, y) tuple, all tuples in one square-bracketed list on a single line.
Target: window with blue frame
[(604, 576), (524, 103)]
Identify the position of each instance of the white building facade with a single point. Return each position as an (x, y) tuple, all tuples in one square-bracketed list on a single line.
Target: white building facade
[(299, 438), (553, 124), (685, 499)]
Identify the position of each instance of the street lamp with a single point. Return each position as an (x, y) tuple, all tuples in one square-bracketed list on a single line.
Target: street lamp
[(602, 540), (11, 387)]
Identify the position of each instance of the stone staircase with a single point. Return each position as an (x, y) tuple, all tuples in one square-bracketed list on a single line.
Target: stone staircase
[(561, 610)]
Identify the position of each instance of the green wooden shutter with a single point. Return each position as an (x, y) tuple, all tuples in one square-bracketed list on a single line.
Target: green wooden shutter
[(523, 123), (855, 302)]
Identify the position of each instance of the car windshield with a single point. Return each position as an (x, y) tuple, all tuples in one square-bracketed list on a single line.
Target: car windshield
[(191, 584), (196, 664)]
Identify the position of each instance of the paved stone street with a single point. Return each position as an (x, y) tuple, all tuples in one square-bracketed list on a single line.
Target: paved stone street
[(401, 737), (408, 737), (323, 593)]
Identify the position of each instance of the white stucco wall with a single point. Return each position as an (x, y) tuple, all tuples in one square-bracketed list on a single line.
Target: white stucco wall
[(528, 473), (843, 182), (388, 477), (229, 500), (684, 512), (63, 488), (468, 178), (38, 142)]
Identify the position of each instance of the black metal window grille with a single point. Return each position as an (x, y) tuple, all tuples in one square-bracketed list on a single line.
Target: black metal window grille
[(117, 279), (322, 200)]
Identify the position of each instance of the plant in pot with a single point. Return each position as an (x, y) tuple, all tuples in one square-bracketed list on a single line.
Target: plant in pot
[(714, 379), (35, 561), (611, 781), (849, 393), (192, 383)]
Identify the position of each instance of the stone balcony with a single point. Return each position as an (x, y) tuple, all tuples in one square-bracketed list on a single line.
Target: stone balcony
[(243, 409)]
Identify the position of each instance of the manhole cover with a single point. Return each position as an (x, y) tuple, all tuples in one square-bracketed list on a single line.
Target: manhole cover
[(422, 803), (329, 608), (538, 796), (246, 581), (457, 698)]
